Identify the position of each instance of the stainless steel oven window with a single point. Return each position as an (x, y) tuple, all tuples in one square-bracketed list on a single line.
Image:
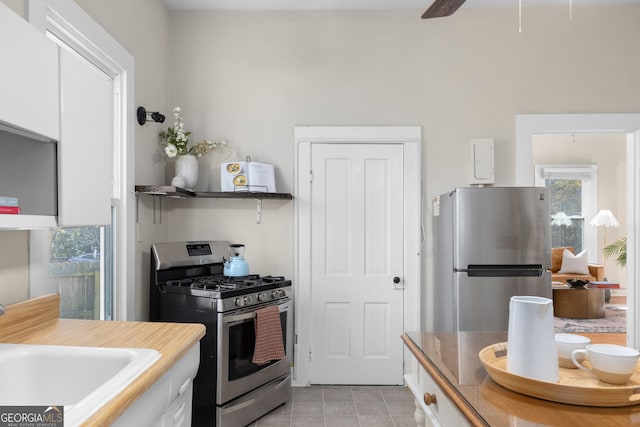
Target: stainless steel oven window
[(242, 340), (237, 375)]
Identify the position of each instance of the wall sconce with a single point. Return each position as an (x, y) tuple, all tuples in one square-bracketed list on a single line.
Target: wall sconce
[(144, 116)]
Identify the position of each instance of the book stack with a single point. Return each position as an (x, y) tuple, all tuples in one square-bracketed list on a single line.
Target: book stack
[(9, 205), (606, 285)]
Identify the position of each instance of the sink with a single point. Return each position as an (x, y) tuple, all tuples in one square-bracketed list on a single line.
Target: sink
[(81, 379)]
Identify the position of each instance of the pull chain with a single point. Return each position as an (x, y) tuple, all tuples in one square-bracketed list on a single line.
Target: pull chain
[(519, 16), (570, 10)]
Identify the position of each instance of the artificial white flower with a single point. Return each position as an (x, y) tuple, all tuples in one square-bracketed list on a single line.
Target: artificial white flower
[(176, 140), (170, 150)]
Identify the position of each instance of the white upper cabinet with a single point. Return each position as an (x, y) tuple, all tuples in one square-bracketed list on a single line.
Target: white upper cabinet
[(28, 77)]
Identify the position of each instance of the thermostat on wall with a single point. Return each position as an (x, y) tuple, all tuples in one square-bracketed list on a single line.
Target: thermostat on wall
[(482, 161)]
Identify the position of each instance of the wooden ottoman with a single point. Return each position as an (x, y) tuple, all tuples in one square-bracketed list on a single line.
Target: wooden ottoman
[(578, 303)]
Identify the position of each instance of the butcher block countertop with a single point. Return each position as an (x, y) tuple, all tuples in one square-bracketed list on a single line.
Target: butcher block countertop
[(451, 359), (37, 321)]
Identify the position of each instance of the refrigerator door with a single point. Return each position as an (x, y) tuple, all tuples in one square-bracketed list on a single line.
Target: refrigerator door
[(501, 226), (483, 302)]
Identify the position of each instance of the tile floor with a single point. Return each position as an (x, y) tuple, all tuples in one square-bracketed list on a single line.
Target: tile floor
[(344, 406)]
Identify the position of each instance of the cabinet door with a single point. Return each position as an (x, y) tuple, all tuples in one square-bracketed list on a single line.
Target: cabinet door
[(443, 409), (28, 77), (86, 143)]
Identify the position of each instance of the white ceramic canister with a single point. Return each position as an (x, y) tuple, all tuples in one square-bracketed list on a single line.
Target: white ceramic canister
[(531, 350)]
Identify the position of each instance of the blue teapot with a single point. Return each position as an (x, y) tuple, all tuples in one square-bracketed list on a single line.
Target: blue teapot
[(236, 266)]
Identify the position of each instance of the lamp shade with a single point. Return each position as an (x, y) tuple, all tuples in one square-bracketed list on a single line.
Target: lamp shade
[(606, 218), (560, 219)]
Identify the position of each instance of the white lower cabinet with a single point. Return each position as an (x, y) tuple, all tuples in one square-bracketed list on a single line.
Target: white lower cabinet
[(168, 402), (433, 407), (178, 414)]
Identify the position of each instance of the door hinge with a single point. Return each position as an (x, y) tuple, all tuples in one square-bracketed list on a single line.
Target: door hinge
[(310, 176), (309, 355)]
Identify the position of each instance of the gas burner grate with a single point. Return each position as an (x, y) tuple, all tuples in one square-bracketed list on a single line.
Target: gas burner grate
[(272, 279), (222, 284), (197, 283)]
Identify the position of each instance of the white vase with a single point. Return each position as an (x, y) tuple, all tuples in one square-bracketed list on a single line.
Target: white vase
[(187, 168)]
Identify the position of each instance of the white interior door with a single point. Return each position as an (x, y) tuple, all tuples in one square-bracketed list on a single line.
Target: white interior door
[(356, 253)]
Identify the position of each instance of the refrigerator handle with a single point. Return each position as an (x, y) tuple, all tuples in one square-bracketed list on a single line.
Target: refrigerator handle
[(505, 270)]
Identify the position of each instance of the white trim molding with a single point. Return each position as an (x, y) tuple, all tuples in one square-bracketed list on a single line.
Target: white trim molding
[(305, 136), (588, 174), (69, 23), (528, 125)]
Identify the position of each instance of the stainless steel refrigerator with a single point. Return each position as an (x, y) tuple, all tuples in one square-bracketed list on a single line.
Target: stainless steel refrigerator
[(490, 243)]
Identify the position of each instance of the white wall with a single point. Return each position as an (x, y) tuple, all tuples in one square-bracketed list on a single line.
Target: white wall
[(14, 271), (250, 77), (16, 5), (608, 152)]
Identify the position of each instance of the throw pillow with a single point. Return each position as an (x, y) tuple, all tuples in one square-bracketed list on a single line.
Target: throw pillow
[(574, 264), (556, 257)]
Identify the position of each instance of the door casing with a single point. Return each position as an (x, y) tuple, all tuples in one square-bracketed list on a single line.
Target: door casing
[(528, 125), (305, 136)]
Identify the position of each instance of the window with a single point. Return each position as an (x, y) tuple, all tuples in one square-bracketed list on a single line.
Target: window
[(573, 192), (82, 39), (77, 258)]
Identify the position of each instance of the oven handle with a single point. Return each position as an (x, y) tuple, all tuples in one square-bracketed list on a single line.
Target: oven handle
[(239, 318)]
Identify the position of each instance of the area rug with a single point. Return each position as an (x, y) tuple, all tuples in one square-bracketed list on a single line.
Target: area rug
[(615, 320)]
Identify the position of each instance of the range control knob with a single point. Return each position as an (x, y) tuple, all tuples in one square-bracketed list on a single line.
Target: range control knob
[(247, 300), (262, 297), (239, 302), (278, 293)]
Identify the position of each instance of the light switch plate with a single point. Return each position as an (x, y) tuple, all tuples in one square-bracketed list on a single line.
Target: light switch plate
[(482, 161)]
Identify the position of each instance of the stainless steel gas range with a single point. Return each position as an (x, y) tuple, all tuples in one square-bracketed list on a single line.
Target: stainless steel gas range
[(187, 285)]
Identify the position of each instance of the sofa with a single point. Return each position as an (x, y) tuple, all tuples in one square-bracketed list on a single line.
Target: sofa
[(596, 271)]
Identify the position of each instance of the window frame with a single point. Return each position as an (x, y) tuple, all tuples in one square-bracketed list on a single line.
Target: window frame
[(588, 174), (71, 24)]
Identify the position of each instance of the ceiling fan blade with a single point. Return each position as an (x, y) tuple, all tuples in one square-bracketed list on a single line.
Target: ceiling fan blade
[(440, 8)]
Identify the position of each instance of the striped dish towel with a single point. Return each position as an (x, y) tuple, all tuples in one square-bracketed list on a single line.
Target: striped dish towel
[(269, 345)]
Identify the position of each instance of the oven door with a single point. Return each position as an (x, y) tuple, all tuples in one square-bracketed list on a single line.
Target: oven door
[(236, 374)]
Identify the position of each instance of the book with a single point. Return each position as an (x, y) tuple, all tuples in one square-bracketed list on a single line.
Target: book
[(8, 201), (609, 285), (9, 209), (247, 176)]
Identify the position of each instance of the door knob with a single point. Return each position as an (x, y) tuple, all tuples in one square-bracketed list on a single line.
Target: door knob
[(429, 399), (396, 279)]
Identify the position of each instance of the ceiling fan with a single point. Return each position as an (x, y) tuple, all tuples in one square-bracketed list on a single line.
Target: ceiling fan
[(440, 8)]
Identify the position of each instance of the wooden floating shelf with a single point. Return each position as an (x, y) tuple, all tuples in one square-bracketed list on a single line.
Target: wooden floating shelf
[(243, 195), (177, 192), (164, 190)]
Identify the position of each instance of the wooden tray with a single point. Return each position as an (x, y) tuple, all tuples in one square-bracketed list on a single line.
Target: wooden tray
[(575, 386)]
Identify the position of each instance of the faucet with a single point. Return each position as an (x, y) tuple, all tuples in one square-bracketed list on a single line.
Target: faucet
[(3, 309)]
